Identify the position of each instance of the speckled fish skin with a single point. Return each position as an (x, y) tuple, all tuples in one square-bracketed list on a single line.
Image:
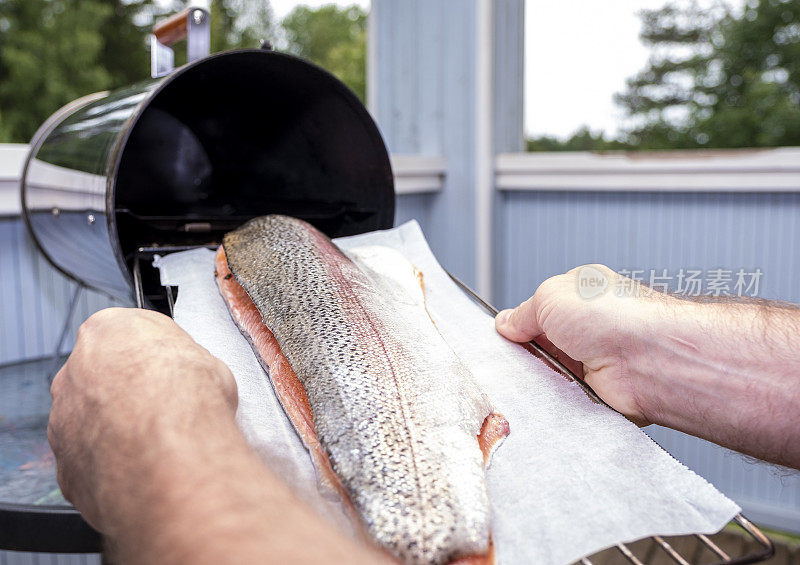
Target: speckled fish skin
[(395, 409)]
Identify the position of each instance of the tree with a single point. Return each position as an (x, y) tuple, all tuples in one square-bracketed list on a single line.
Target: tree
[(125, 54), (582, 140), (333, 38), (755, 100), (718, 78), (51, 52), (252, 24), (54, 51)]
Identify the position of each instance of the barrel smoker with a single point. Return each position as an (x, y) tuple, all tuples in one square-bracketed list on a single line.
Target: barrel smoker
[(173, 163), (176, 161)]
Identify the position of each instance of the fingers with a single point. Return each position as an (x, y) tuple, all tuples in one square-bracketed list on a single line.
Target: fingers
[(526, 321), (554, 302), (521, 323)]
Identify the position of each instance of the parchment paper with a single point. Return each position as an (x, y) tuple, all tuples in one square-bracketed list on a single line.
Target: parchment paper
[(572, 478)]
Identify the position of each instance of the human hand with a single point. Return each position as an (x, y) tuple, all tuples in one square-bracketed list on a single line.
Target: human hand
[(608, 333), (135, 395)]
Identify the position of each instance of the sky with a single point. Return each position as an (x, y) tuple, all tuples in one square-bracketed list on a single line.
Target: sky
[(578, 53)]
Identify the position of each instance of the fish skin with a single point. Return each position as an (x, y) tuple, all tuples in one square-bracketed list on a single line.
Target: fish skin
[(284, 381), (397, 412)]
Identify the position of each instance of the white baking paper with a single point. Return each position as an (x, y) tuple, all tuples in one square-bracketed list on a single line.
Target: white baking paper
[(572, 478)]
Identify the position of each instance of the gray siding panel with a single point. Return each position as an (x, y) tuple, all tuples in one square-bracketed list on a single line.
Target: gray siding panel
[(546, 233), (426, 72), (34, 298), (20, 558), (415, 207), (509, 75)]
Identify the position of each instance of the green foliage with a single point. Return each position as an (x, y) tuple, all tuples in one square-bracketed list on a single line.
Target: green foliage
[(124, 55), (50, 55), (717, 78), (333, 38), (736, 83), (235, 24), (581, 140), (54, 51)]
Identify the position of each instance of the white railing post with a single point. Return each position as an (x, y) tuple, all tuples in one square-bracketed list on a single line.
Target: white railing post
[(484, 146)]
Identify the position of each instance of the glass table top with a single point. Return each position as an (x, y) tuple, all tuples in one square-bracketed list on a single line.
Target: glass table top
[(27, 465)]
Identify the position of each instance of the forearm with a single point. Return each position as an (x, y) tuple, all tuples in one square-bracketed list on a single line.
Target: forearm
[(213, 501), (727, 372)]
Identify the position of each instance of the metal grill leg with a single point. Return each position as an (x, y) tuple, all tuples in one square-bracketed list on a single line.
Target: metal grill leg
[(64, 331)]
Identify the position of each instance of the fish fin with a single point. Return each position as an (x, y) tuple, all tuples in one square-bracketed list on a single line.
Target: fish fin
[(494, 431)]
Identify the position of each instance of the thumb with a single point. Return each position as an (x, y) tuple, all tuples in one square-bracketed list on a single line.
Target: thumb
[(519, 324)]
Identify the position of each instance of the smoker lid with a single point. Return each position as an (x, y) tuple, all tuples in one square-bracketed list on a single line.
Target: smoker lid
[(180, 161), (256, 131), (242, 134)]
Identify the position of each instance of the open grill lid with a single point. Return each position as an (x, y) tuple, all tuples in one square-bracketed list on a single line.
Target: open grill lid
[(182, 159)]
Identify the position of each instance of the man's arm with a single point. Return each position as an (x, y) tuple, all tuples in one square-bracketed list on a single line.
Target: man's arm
[(728, 372), (148, 450)]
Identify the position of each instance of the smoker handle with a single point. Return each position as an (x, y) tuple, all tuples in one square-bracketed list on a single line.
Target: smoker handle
[(191, 24), (174, 28)]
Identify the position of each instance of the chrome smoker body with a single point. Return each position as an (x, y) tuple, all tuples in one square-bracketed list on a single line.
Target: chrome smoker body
[(181, 159)]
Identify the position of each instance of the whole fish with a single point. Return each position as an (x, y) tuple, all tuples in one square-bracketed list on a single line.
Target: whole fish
[(393, 420)]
